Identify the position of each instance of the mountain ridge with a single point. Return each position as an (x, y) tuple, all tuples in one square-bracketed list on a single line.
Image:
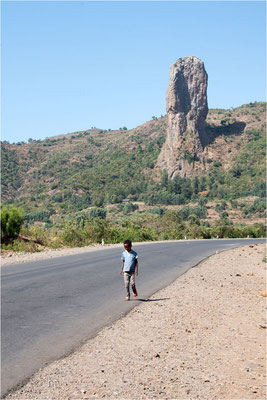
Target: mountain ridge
[(72, 172)]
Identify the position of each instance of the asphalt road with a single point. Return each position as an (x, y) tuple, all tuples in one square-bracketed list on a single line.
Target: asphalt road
[(50, 307)]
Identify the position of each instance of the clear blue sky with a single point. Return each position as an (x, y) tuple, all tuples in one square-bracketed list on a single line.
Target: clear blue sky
[(67, 66)]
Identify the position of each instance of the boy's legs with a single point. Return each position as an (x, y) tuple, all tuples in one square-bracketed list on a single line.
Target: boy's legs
[(127, 277), (133, 284)]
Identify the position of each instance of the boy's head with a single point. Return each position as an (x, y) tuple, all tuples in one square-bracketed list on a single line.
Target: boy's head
[(127, 244)]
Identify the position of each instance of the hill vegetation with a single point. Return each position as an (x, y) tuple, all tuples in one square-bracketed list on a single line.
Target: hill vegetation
[(110, 177)]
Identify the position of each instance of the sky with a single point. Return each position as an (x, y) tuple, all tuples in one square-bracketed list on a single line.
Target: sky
[(70, 65)]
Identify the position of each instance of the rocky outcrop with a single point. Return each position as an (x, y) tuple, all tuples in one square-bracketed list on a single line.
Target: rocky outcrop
[(187, 109)]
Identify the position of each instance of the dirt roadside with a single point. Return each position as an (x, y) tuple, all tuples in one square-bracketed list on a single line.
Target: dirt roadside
[(202, 337)]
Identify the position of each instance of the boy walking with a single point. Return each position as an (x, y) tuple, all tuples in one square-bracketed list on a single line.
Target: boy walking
[(129, 268)]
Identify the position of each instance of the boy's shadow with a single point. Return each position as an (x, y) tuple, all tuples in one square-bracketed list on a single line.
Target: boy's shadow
[(147, 300)]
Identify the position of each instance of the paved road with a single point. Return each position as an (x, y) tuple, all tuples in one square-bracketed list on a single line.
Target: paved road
[(51, 307)]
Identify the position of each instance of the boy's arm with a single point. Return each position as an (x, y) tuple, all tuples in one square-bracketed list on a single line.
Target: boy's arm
[(122, 265), (136, 268)]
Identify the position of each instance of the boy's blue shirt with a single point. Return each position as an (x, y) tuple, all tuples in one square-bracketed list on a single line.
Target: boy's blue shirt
[(130, 260)]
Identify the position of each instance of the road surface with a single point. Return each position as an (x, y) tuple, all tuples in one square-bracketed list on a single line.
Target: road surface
[(50, 307)]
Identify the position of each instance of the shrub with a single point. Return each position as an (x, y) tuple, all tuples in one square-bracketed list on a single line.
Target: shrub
[(221, 207), (98, 212), (129, 207), (43, 216), (21, 246), (193, 219), (11, 222), (38, 234), (234, 203), (224, 214), (73, 236), (157, 210), (170, 226), (199, 212)]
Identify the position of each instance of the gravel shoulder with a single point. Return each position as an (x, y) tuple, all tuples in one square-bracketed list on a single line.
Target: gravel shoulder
[(202, 337)]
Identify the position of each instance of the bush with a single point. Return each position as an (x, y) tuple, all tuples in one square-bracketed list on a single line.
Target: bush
[(98, 213), (73, 236), (260, 205), (224, 214), (200, 212), (43, 216), (21, 246), (129, 207), (171, 226), (234, 203), (157, 210), (38, 234), (11, 222)]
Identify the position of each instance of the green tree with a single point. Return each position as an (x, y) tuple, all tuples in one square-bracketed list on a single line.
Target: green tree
[(11, 221), (195, 185), (171, 226), (164, 179)]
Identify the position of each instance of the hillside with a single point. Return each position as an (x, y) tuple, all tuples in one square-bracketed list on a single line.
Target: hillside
[(69, 173)]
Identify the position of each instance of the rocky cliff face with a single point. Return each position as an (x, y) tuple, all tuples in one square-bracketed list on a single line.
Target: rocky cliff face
[(187, 109)]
